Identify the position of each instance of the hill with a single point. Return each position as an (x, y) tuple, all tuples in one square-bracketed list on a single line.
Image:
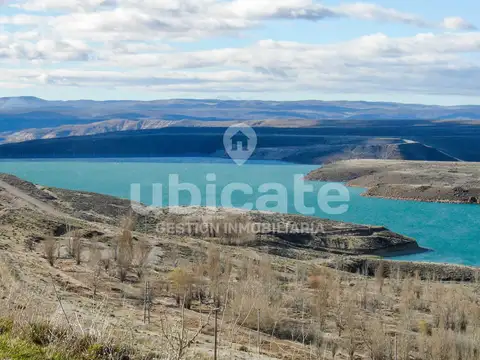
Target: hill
[(32, 114), (329, 236), (81, 279), (298, 145), (455, 182), (214, 109)]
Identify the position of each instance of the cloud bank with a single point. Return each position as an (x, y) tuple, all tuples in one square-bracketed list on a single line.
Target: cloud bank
[(136, 44)]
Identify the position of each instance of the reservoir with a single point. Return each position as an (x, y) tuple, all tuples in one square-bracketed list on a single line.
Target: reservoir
[(452, 231)]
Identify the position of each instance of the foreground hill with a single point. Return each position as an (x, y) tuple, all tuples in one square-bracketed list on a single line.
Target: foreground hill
[(82, 281), (457, 182)]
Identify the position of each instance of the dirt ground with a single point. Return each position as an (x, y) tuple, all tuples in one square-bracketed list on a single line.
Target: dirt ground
[(455, 182)]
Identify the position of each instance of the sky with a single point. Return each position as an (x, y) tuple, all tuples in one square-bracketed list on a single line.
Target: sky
[(407, 51)]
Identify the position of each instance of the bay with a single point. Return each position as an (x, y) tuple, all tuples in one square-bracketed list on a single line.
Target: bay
[(452, 231)]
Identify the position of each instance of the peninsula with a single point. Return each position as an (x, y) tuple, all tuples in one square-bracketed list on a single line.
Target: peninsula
[(451, 182)]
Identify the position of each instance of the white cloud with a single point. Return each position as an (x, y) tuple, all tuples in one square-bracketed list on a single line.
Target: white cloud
[(64, 5), (425, 63), (193, 19), (373, 12), (457, 23), (132, 44), (136, 24), (421, 49), (22, 19), (32, 47), (282, 9)]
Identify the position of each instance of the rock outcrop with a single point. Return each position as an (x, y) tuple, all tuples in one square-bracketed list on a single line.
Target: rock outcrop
[(453, 182)]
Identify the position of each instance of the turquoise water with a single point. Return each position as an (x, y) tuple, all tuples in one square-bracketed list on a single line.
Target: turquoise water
[(452, 231)]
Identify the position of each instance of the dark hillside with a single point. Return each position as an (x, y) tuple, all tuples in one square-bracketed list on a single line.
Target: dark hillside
[(302, 145)]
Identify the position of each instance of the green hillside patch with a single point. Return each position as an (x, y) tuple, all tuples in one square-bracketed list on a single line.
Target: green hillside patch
[(12, 348), (41, 341)]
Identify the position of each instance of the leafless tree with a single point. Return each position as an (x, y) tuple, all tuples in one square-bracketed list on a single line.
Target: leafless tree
[(50, 250), (96, 264), (141, 256), (124, 253)]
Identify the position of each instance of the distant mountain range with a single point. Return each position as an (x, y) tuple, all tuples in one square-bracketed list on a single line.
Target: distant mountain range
[(29, 118)]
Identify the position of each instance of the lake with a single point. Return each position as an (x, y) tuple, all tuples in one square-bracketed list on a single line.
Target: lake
[(452, 231)]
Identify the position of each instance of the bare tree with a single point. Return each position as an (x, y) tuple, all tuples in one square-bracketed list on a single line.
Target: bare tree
[(96, 263), (380, 277), (50, 250), (124, 253), (77, 245), (141, 256), (73, 235), (182, 281), (178, 337)]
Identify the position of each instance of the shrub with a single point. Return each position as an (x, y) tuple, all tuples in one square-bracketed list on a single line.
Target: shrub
[(424, 328), (96, 263), (43, 333), (6, 325), (182, 282), (124, 253), (141, 256), (109, 352), (74, 246), (50, 250), (378, 341)]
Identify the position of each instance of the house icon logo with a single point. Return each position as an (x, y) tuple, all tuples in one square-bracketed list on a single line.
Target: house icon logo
[(240, 141)]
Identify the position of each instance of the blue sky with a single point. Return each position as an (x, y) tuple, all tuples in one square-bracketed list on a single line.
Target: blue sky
[(407, 51)]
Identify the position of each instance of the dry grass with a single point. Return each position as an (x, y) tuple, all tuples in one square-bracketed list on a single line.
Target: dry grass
[(228, 229), (359, 316), (268, 306)]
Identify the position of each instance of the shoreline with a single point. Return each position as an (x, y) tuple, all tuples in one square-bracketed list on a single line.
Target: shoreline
[(399, 198), (344, 242), (85, 201), (419, 181), (417, 200), (424, 270), (334, 237)]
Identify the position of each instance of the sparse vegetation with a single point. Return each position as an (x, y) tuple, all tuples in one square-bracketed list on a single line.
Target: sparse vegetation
[(50, 250), (96, 265), (74, 246), (263, 299), (141, 254), (322, 312), (124, 249), (228, 228), (40, 340), (30, 243)]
